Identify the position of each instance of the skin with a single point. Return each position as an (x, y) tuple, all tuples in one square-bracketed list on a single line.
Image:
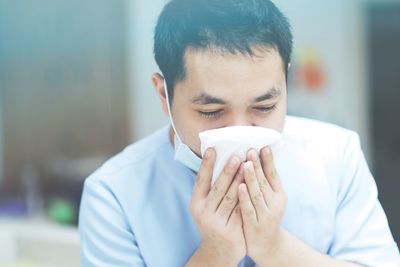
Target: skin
[(241, 214)]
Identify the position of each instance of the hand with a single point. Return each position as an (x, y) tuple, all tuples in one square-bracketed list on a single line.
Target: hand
[(217, 212), (262, 203)]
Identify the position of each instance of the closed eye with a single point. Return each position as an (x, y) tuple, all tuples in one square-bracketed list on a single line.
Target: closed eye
[(210, 114), (265, 109)]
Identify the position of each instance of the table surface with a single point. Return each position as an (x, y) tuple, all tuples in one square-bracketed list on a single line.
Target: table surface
[(37, 242)]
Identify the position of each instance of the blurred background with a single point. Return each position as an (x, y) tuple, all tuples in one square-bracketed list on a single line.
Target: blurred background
[(75, 89)]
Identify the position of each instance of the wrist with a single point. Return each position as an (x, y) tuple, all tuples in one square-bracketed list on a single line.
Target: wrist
[(274, 256), (211, 257)]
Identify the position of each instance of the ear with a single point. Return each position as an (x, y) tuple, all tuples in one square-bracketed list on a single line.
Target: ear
[(158, 84)]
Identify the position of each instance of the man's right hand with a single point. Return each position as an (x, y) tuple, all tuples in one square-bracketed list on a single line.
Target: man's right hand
[(217, 214)]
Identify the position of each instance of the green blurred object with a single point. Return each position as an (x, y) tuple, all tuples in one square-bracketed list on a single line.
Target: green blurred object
[(61, 211)]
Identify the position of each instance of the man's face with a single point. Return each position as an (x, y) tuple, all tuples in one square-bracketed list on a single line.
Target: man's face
[(222, 89)]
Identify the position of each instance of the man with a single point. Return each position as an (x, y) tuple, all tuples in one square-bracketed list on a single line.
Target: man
[(225, 63)]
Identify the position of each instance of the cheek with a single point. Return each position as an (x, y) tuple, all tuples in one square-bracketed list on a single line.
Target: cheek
[(275, 120), (280, 116), (189, 126)]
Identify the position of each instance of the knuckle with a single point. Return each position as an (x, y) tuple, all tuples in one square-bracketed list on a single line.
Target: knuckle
[(257, 196), (228, 199), (263, 184), (216, 190)]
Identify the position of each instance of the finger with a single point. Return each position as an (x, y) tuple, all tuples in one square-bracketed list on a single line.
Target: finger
[(248, 212), (236, 216), (255, 193), (231, 198), (263, 183), (221, 185), (204, 175), (269, 169)]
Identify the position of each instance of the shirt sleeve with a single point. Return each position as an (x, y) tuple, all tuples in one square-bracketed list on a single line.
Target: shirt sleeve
[(362, 233), (106, 239)]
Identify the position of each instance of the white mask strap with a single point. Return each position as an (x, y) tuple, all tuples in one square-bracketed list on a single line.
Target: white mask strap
[(169, 109)]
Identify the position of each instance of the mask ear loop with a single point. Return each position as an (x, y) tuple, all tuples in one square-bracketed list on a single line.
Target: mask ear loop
[(169, 109), (182, 147)]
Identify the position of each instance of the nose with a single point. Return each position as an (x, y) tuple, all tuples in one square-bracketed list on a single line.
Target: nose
[(240, 120)]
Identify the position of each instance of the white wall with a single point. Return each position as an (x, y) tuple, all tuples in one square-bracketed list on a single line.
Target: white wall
[(335, 29), (145, 109)]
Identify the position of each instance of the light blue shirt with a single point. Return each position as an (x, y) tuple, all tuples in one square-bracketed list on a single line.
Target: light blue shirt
[(134, 209)]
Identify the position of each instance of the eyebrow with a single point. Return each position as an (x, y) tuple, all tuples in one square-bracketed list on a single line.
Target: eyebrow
[(206, 99), (272, 93)]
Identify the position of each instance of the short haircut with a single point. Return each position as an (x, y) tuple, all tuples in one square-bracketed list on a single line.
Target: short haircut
[(229, 26)]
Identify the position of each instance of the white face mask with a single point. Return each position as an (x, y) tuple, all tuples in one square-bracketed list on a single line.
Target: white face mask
[(183, 153)]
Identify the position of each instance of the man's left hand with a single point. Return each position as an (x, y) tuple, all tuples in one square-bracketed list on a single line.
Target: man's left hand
[(262, 203)]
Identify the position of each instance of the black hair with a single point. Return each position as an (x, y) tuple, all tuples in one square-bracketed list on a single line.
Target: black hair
[(233, 26)]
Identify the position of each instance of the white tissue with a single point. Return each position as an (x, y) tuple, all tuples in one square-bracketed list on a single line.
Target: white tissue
[(236, 140)]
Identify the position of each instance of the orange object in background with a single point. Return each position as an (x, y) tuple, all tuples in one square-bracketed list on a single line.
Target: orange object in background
[(310, 73)]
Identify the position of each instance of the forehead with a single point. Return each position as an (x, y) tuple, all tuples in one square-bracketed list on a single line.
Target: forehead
[(214, 71), (258, 54)]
